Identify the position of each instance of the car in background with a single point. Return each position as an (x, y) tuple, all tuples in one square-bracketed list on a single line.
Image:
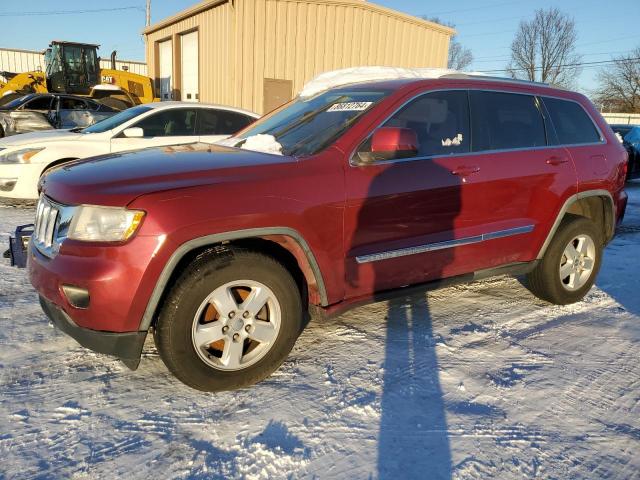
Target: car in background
[(630, 135), (24, 158), (47, 111)]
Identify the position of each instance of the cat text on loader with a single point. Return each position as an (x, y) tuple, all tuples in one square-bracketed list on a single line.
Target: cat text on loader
[(74, 68)]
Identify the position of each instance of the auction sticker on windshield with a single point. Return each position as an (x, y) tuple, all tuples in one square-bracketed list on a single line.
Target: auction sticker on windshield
[(349, 107)]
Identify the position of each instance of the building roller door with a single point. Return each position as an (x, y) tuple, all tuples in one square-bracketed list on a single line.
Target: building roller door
[(189, 64), (165, 54)]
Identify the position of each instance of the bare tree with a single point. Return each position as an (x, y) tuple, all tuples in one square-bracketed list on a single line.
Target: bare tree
[(619, 84), (544, 49), (460, 57)]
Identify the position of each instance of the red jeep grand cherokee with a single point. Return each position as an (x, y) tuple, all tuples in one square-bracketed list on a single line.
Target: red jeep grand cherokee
[(370, 188)]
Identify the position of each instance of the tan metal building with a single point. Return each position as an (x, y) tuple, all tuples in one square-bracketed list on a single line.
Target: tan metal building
[(257, 54)]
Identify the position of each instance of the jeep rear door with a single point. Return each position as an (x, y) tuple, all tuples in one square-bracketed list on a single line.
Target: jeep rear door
[(577, 132), (524, 177)]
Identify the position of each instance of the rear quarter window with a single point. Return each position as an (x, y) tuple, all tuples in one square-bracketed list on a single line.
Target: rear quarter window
[(572, 124)]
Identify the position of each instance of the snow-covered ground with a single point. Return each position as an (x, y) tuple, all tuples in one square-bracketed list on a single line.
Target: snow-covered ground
[(478, 381)]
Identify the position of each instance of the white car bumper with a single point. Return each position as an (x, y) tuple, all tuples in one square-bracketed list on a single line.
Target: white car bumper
[(20, 180)]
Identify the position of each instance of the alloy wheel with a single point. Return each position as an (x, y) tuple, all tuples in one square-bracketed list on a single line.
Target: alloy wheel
[(236, 325), (577, 262)]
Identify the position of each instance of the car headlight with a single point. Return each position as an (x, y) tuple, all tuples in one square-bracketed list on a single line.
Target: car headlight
[(19, 156), (104, 224)]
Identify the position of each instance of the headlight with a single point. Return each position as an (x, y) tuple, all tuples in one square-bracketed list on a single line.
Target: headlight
[(104, 224), (19, 156)]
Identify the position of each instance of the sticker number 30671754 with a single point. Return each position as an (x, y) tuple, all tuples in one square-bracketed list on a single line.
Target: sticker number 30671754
[(349, 107)]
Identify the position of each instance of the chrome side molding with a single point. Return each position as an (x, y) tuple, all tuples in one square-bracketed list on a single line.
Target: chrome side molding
[(431, 247)]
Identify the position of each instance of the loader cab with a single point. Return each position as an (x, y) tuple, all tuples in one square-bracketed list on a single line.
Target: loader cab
[(72, 67)]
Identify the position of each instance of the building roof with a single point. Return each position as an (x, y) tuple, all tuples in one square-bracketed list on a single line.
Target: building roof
[(65, 42), (208, 4)]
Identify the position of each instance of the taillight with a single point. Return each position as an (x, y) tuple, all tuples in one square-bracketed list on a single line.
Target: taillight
[(625, 164)]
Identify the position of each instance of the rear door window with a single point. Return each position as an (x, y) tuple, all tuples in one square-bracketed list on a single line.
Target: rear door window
[(501, 121), (572, 124), (173, 122), (221, 122)]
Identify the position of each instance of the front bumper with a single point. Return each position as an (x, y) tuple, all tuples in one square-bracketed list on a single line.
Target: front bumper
[(126, 346), (114, 278)]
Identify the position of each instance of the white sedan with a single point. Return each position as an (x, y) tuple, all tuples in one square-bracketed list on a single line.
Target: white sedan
[(24, 158)]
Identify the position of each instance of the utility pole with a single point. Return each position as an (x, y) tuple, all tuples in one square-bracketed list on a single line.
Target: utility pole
[(148, 23)]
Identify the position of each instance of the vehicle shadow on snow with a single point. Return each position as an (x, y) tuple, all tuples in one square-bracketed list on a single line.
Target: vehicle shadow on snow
[(407, 204), (413, 439)]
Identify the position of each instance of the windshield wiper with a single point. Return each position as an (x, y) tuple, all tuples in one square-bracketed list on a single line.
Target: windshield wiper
[(76, 129)]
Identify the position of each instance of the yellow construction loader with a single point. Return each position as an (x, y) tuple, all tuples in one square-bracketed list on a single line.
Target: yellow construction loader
[(74, 68)]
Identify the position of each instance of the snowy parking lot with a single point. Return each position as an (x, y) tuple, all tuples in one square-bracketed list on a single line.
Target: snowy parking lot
[(473, 381)]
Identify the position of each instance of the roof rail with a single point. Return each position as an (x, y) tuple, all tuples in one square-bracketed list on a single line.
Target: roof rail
[(462, 75)]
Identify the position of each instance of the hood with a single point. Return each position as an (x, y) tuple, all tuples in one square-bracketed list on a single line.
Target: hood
[(44, 136), (118, 179)]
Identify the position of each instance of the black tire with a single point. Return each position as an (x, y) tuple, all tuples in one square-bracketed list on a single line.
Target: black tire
[(545, 280), (173, 332), (1, 132)]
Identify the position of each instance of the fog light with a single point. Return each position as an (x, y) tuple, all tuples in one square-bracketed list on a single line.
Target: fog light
[(77, 297), (7, 184)]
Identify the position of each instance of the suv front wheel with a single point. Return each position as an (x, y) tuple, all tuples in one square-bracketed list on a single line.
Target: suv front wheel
[(571, 263), (230, 320)]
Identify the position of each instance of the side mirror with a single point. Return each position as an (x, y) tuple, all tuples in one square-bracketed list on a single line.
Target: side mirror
[(388, 143), (133, 132)]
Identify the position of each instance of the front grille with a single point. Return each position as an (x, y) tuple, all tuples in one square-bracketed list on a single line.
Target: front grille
[(47, 215), (51, 225)]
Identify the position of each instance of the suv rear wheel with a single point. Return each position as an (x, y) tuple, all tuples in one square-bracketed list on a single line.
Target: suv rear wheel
[(571, 263), (230, 321)]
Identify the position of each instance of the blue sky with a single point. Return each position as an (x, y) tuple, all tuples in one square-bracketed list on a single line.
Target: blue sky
[(486, 26)]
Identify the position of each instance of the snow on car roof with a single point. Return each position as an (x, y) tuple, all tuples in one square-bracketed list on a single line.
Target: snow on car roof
[(347, 76)]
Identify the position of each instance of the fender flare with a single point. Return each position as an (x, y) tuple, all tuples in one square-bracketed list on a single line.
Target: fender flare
[(565, 207), (192, 244)]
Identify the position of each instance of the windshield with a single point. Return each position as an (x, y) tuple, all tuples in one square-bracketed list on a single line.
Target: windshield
[(117, 120), (304, 127)]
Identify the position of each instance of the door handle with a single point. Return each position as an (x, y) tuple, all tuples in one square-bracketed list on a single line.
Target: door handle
[(465, 170), (555, 160)]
